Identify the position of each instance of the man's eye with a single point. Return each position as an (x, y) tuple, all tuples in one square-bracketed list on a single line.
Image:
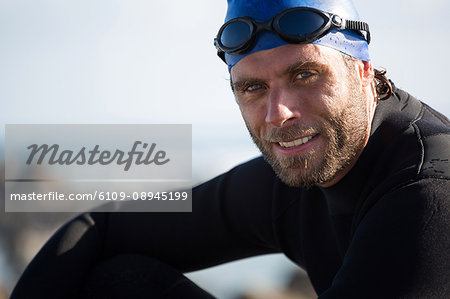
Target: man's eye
[(253, 87), (305, 75)]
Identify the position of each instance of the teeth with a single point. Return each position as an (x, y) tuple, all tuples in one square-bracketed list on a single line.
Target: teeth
[(296, 142)]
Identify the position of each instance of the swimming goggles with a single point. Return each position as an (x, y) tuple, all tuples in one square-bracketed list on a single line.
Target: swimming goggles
[(294, 25)]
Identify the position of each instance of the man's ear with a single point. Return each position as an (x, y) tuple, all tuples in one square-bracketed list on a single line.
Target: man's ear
[(366, 73)]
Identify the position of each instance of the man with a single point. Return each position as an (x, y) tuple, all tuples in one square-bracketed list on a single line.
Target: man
[(355, 191)]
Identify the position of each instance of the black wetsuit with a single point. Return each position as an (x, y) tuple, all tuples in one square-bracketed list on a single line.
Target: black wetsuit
[(382, 232)]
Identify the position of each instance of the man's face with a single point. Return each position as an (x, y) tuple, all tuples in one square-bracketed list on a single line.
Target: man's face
[(306, 111)]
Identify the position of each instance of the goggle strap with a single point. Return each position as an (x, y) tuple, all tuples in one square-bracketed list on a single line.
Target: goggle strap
[(359, 26), (220, 53)]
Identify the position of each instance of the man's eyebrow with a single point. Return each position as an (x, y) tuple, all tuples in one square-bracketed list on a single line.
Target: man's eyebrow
[(306, 64)]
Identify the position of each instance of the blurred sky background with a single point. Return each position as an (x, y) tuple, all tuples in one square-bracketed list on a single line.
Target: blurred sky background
[(130, 61)]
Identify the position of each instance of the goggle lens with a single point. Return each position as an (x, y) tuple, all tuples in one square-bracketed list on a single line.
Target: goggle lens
[(301, 23), (236, 34)]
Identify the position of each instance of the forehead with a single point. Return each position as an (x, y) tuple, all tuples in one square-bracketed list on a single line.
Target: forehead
[(275, 61)]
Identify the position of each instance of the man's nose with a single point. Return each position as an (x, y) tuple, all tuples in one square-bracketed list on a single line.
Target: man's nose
[(282, 107)]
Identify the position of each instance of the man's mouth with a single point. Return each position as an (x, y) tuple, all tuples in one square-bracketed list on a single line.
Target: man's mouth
[(296, 142)]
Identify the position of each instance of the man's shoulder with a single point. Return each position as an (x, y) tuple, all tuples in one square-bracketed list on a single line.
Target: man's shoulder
[(408, 159), (255, 173), (410, 141), (431, 132)]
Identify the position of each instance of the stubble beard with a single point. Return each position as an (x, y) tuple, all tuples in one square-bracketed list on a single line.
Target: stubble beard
[(345, 135)]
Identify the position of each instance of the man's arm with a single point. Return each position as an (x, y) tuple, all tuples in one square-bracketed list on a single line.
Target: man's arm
[(230, 220), (401, 248)]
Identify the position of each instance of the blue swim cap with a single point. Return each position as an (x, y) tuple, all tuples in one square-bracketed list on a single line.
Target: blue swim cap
[(346, 41)]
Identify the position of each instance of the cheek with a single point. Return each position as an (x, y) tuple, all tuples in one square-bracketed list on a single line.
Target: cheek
[(249, 115), (323, 100), (336, 97), (254, 118)]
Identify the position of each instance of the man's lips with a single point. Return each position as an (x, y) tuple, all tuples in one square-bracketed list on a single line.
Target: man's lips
[(296, 142), (296, 146)]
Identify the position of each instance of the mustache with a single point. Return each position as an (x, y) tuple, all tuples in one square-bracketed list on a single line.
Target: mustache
[(292, 132)]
